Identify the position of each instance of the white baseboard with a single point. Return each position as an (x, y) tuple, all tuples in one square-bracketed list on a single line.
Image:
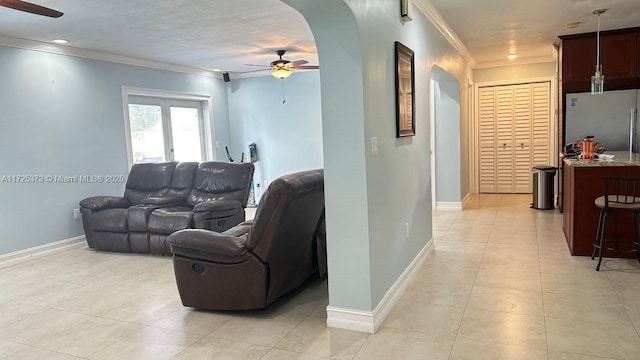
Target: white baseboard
[(448, 206), (370, 321), (466, 199), (40, 251)]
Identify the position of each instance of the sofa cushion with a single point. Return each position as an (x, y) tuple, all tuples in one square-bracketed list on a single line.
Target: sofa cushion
[(139, 242), (182, 180), (112, 241), (169, 220), (159, 245), (219, 206), (109, 220), (138, 217), (153, 179), (218, 180)]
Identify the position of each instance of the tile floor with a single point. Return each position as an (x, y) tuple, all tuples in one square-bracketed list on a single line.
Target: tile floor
[(500, 285)]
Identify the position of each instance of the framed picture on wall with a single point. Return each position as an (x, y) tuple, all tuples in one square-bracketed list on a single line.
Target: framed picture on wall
[(405, 86)]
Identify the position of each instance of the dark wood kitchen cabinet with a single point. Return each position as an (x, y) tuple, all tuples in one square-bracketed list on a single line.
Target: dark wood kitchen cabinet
[(578, 61), (619, 56), (620, 59), (619, 51)]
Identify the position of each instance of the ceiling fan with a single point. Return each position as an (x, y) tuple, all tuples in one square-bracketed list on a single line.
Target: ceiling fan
[(30, 8), (281, 68)]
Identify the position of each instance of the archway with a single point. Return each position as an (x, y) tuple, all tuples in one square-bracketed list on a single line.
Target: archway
[(445, 141)]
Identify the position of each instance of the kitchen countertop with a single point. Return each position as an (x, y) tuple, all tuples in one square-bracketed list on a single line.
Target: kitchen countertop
[(621, 158)]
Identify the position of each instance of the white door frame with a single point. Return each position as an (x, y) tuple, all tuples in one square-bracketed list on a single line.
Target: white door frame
[(432, 150)]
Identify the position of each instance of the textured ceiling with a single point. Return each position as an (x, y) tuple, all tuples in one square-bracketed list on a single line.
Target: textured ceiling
[(491, 29), (226, 34), (203, 34)]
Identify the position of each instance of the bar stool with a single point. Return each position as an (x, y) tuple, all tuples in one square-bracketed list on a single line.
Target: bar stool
[(620, 194)]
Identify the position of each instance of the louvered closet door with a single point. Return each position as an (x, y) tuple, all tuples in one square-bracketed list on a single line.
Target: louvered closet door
[(504, 139), (514, 129), (522, 139), (540, 118), (487, 140)]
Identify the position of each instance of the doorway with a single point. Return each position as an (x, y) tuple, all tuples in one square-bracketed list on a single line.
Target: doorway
[(445, 147), (514, 132)]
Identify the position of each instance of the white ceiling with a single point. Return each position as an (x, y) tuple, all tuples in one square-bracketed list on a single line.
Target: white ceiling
[(226, 34), (202, 34), (491, 29)]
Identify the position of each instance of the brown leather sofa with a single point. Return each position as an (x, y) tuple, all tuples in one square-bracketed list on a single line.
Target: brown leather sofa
[(161, 198), (251, 265)]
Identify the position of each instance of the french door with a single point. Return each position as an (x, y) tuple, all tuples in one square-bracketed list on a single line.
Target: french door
[(165, 129)]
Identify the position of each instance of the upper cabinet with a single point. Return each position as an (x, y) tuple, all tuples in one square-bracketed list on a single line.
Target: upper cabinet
[(619, 56), (578, 60)]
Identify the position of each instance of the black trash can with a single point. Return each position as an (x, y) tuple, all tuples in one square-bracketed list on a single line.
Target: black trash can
[(543, 187)]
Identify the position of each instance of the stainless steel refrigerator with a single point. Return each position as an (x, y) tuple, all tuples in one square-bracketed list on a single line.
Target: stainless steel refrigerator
[(609, 117)]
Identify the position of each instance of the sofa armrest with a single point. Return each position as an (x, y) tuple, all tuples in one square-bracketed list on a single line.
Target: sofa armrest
[(104, 202), (217, 206), (163, 200), (208, 246)]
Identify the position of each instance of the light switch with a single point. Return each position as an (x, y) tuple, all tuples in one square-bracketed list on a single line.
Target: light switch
[(374, 146)]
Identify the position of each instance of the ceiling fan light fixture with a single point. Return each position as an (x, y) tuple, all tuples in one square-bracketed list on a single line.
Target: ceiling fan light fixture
[(597, 80), (512, 56), (281, 73)]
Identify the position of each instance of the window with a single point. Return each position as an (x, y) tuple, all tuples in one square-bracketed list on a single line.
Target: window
[(166, 129)]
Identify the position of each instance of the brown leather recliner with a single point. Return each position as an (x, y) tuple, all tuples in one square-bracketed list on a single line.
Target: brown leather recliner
[(251, 265)]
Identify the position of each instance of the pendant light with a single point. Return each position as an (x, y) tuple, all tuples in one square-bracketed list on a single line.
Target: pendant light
[(597, 80)]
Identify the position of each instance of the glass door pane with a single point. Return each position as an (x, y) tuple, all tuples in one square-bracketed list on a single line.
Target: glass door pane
[(164, 129), (185, 133), (147, 135)]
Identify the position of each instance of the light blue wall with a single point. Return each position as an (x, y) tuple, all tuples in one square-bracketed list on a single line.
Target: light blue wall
[(288, 136), (447, 137), (341, 76), (63, 115), (366, 235)]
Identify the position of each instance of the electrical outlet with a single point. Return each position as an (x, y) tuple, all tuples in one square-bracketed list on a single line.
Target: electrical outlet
[(76, 213), (406, 230)]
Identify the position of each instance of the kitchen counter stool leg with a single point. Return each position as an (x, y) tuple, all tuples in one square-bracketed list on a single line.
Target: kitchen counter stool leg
[(601, 228)]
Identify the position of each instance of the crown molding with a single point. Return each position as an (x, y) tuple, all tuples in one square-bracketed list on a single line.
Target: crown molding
[(240, 75), (518, 61), (434, 16), (98, 55)]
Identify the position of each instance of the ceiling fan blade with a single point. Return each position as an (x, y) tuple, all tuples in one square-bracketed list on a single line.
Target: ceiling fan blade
[(252, 71), (264, 66), (306, 67), (299, 62), (30, 8)]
